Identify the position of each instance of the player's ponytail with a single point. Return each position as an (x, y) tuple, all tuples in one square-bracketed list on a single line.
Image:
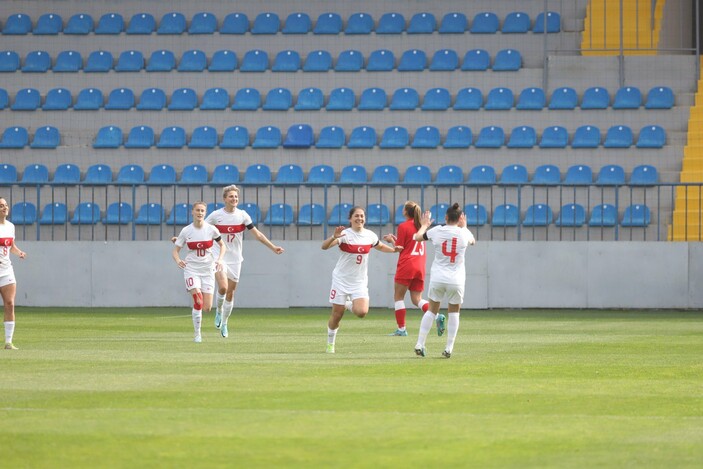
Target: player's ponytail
[(453, 213), (414, 212)]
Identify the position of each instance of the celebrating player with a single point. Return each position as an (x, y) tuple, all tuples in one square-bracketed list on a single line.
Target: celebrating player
[(447, 274), (8, 284)]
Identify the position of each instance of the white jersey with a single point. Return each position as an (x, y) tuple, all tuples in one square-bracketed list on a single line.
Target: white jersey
[(232, 226), (199, 241), (450, 244), (352, 266), (7, 239)]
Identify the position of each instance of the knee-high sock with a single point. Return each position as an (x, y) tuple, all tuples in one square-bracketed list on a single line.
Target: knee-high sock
[(424, 305), (197, 319), (220, 298), (227, 307), (400, 314), (425, 326), (452, 329), (9, 331), (331, 335)]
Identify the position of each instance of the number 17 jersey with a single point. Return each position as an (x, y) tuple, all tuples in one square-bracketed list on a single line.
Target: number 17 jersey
[(231, 225)]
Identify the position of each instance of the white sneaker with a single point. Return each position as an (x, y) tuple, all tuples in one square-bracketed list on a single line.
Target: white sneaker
[(330, 348), (198, 339)]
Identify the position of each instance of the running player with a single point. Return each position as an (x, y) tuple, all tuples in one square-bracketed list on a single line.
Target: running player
[(8, 284)]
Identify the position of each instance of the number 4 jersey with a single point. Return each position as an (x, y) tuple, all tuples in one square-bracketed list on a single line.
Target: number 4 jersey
[(450, 244)]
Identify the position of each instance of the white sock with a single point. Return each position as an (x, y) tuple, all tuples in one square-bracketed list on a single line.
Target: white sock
[(220, 298), (9, 331), (421, 304), (331, 335), (452, 329), (227, 307), (197, 319), (425, 326)]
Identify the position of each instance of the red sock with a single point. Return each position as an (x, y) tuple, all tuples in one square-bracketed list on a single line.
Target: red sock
[(400, 317)]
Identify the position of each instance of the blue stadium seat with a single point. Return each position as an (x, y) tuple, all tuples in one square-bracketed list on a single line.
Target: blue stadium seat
[(436, 99), (359, 23), (27, 99), (516, 22), (162, 174), (554, 137), (514, 174), (35, 174), (449, 175), (152, 99), (224, 175), (331, 137), (321, 174), (279, 215), (349, 61), (468, 99), (23, 213), (297, 23), (378, 215), (235, 23), (499, 99), (628, 97), (391, 23), (9, 61), (362, 137), (490, 137), (141, 23), (453, 23), (538, 215), (54, 214), (458, 136), (405, 99), (394, 137), (110, 23), (299, 136), (193, 174), (341, 99), (266, 23), (172, 137), (476, 215), (68, 174), (571, 215), (595, 97), (482, 175), (183, 99), (611, 175), (267, 137), (422, 23), (203, 23), (553, 20), (426, 137), (120, 99), (254, 61), (8, 174), (636, 215), (444, 60), (586, 136), (505, 215), (381, 60), (86, 213), (563, 98), (603, 215), (531, 99), (651, 136), (291, 174), (278, 99), (372, 99), (4, 98), (181, 215), (438, 212), (203, 137), (192, 61), (89, 99), (18, 24), (247, 99), (37, 61), (522, 137), (161, 61), (318, 61), (286, 61), (400, 214), (417, 175), (46, 137), (98, 61), (328, 23), (215, 99), (644, 175), (618, 136), (98, 174), (546, 174), (477, 60), (212, 206), (14, 137), (413, 60), (172, 23), (118, 213), (150, 214), (235, 137), (339, 216), (352, 174), (310, 99), (578, 175), (311, 215), (223, 61), (485, 23), (108, 137), (660, 97), (57, 99), (385, 175), (80, 24), (130, 61), (140, 136), (507, 60), (253, 210)]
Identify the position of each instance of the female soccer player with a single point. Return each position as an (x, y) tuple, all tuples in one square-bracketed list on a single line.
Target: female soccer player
[(8, 284), (447, 274), (350, 281), (199, 265), (410, 272)]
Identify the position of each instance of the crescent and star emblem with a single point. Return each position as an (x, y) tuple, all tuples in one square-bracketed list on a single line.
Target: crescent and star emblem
[(360, 249), (230, 229), (199, 245)]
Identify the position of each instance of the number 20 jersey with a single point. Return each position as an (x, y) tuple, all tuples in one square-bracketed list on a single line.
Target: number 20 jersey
[(352, 266)]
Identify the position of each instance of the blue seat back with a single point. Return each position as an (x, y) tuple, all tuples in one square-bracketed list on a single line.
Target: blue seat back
[(618, 136), (203, 137), (181, 215), (318, 61), (394, 137), (586, 136), (482, 175), (484, 23), (223, 61), (46, 137), (352, 174), (110, 23), (194, 174), (595, 97), (235, 23), (531, 99), (57, 99), (297, 23), (505, 215), (152, 99), (225, 174), (660, 97), (426, 137), (339, 216), (538, 215), (516, 22), (247, 99), (267, 137), (172, 137), (255, 61), (444, 60), (266, 23), (477, 60), (130, 61), (636, 215), (311, 215), (391, 23), (328, 23), (89, 99), (17, 24), (27, 99), (286, 61), (141, 136), (161, 61), (162, 174), (279, 215), (331, 137), (406, 99), (413, 60), (86, 213), (499, 99), (14, 137), (563, 98), (507, 60), (8, 174), (141, 23), (571, 215), (628, 97), (381, 60), (80, 23), (54, 214), (372, 99), (120, 99), (359, 23), (253, 210), (349, 61), (193, 60), (449, 175), (37, 61), (436, 99), (99, 61), (150, 214), (522, 137), (278, 99), (611, 174), (552, 20), (172, 23), (417, 175), (603, 215), (651, 136), (23, 213), (579, 175), (644, 175), (422, 23), (362, 137), (554, 137), (183, 99), (321, 174), (453, 23), (108, 137), (235, 137), (309, 99), (9, 61), (68, 61), (468, 99), (458, 136), (385, 175), (257, 174), (341, 99), (476, 215), (514, 174), (546, 174), (130, 174), (290, 174), (98, 174), (118, 213), (490, 137), (378, 215), (299, 136)]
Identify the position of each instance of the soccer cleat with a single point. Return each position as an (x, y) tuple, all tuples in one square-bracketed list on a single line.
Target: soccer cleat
[(330, 348), (218, 319), (223, 331), (198, 339), (9, 346), (420, 351), (400, 332), (446, 354), (441, 320)]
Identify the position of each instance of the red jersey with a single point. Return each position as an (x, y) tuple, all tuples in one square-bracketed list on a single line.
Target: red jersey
[(411, 261)]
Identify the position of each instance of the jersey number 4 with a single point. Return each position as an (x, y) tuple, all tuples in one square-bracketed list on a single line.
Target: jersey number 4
[(450, 254)]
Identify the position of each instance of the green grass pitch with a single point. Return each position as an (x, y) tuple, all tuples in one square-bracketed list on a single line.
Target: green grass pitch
[(532, 388)]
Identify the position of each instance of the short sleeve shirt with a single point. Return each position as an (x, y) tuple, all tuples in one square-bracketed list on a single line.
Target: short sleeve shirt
[(7, 239), (231, 225), (352, 266), (450, 244), (199, 242)]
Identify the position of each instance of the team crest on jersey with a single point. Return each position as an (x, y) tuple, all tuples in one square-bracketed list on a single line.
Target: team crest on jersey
[(5, 241)]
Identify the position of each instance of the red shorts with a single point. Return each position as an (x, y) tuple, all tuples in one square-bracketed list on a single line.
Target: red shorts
[(413, 284)]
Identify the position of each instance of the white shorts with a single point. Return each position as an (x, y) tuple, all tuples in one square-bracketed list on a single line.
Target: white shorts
[(339, 295), (204, 283), (454, 294), (232, 270), (7, 278)]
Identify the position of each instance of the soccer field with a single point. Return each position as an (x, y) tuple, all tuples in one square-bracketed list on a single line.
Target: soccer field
[(532, 388)]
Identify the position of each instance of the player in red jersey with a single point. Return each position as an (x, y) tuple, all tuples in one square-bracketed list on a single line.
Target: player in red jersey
[(410, 272), (8, 284)]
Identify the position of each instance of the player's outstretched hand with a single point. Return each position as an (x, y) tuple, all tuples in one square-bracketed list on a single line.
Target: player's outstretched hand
[(390, 238), (338, 231)]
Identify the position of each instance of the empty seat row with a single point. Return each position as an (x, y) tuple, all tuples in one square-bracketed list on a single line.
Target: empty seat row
[(257, 60), (45, 137), (270, 23)]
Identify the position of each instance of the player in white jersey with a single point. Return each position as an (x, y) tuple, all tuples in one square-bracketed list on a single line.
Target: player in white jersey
[(199, 265), (8, 284), (447, 274), (231, 222), (350, 280)]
